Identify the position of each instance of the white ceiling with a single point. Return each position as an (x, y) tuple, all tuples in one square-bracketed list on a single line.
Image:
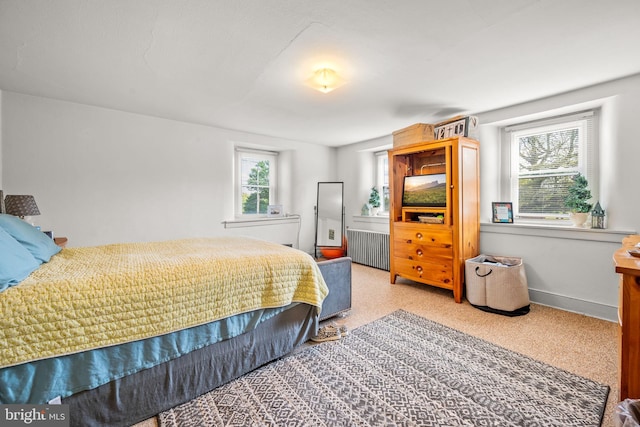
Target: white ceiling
[(242, 65)]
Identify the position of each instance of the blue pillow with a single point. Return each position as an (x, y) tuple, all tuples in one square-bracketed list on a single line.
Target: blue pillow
[(16, 263), (41, 246)]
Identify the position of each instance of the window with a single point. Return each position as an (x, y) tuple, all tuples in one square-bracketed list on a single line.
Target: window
[(545, 156), (382, 180), (255, 181)]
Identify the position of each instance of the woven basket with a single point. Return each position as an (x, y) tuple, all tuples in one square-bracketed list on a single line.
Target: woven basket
[(499, 283)]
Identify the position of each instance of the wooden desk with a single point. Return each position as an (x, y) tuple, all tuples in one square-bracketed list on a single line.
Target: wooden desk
[(629, 319)]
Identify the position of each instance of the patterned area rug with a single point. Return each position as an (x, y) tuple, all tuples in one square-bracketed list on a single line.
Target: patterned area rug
[(401, 370)]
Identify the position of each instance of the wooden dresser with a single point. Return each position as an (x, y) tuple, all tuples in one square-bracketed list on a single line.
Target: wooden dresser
[(629, 319)]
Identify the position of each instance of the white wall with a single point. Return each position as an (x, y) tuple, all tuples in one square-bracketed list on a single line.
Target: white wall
[(357, 168), (1, 134), (573, 269), (619, 150), (568, 269), (103, 176)]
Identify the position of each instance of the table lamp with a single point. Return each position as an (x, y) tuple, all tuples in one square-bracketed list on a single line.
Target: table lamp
[(21, 205)]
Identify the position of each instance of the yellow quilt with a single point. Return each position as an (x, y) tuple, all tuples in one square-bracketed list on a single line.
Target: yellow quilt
[(86, 298)]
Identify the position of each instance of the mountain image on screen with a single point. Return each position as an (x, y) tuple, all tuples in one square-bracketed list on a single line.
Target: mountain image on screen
[(425, 190)]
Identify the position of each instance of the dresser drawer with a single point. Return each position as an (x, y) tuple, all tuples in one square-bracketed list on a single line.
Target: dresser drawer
[(434, 273), (423, 244), (428, 236), (420, 252)]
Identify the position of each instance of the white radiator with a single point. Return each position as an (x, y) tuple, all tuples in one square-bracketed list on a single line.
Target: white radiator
[(369, 248)]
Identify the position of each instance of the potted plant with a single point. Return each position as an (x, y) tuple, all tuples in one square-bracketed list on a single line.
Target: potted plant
[(374, 201), (577, 200)]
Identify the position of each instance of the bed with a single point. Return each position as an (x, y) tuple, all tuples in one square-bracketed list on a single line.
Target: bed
[(122, 332)]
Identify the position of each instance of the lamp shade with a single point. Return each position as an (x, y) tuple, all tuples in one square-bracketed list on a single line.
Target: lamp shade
[(21, 205)]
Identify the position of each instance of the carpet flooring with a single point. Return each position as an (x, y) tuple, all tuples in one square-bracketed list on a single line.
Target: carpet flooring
[(400, 370)]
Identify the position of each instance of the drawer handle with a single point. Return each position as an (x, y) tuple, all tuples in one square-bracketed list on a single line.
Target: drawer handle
[(419, 235), (419, 269), (419, 252)]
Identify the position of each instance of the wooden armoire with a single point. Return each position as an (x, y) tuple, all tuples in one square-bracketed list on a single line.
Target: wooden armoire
[(431, 237)]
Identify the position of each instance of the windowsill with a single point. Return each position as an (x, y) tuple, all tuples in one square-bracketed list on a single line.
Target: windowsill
[(261, 221), (557, 231), (533, 229), (378, 219)]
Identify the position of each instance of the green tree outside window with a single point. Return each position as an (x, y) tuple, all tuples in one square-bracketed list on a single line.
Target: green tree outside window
[(255, 188)]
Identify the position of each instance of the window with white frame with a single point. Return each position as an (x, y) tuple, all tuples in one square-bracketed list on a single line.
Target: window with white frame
[(382, 180), (255, 181), (544, 157)]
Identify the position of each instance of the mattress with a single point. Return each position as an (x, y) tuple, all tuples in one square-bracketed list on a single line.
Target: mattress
[(90, 298), (139, 396), (40, 381)]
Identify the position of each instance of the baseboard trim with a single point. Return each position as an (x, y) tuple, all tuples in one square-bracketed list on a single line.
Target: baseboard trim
[(574, 305)]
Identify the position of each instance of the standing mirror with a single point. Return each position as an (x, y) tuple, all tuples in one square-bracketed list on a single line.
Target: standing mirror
[(330, 215)]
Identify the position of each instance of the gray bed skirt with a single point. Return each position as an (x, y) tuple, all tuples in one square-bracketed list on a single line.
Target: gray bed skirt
[(146, 393)]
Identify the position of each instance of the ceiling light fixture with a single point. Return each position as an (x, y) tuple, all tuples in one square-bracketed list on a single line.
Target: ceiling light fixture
[(325, 80)]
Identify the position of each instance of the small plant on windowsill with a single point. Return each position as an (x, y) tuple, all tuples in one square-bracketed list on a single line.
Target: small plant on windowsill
[(374, 201), (577, 201)]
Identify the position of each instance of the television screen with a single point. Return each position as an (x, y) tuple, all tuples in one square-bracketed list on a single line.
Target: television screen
[(425, 190)]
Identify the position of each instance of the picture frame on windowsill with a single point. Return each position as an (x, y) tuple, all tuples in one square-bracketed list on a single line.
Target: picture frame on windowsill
[(502, 212), (275, 211)]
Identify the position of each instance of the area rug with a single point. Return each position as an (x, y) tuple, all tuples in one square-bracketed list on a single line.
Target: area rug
[(401, 370)]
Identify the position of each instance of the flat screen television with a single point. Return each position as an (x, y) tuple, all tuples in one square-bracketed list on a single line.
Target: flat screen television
[(429, 191)]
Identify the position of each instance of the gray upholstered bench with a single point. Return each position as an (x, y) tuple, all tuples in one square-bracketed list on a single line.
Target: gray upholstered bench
[(337, 275)]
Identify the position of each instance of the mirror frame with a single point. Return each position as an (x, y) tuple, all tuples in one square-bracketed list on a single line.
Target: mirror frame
[(336, 213)]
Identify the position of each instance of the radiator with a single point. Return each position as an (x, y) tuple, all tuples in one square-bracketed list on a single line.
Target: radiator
[(369, 248)]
